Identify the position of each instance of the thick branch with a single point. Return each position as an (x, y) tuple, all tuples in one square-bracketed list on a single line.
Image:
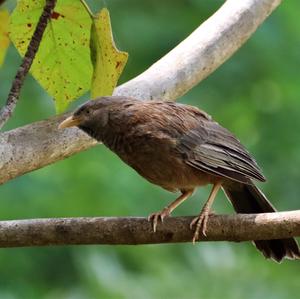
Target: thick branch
[(133, 231), (202, 52), (39, 144), (7, 110)]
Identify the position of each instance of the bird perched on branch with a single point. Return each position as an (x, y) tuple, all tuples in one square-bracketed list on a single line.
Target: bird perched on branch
[(180, 148)]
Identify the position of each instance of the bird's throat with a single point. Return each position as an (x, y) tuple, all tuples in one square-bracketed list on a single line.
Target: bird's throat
[(92, 132)]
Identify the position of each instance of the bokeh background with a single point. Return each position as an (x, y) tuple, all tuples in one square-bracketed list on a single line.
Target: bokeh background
[(255, 94)]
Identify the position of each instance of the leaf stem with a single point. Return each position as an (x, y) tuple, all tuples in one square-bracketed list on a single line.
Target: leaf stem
[(87, 8)]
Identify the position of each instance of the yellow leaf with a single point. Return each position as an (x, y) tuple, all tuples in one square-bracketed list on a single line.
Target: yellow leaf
[(4, 40), (107, 60)]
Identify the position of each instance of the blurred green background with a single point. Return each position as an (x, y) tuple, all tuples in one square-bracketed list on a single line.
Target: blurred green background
[(255, 94)]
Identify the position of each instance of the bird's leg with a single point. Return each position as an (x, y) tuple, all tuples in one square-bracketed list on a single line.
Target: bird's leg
[(201, 220), (154, 217)]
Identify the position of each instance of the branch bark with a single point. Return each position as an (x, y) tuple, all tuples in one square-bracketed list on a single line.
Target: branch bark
[(39, 144), (137, 230)]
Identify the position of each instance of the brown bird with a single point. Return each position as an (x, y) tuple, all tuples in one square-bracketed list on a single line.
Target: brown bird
[(180, 148)]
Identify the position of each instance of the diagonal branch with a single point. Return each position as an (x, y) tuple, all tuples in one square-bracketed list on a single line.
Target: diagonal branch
[(202, 52), (39, 144), (137, 230), (7, 110)]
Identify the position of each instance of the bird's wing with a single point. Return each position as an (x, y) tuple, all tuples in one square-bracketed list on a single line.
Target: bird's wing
[(211, 148), (203, 143)]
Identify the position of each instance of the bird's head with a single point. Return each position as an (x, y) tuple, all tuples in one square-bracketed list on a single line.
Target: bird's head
[(92, 117), (87, 114)]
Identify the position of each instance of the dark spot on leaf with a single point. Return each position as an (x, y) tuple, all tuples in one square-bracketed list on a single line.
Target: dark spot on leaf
[(55, 15), (29, 25), (118, 64)]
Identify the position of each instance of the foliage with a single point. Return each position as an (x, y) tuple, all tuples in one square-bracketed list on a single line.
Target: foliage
[(255, 94), (108, 61), (4, 40), (63, 63)]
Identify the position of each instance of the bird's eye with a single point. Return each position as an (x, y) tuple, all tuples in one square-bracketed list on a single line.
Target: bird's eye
[(88, 111)]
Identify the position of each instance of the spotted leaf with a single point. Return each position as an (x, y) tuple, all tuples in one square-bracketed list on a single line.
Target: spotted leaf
[(107, 60), (4, 39), (62, 64)]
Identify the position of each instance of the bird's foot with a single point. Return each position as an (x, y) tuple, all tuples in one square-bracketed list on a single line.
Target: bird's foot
[(155, 217), (201, 224)]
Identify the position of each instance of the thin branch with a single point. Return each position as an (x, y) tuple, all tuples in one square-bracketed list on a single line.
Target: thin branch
[(39, 144), (32, 49), (133, 230)]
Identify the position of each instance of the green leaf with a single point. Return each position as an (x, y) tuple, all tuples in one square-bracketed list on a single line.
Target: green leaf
[(62, 64), (4, 39), (107, 60)]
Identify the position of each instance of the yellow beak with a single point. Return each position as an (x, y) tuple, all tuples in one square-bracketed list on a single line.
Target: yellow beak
[(69, 122)]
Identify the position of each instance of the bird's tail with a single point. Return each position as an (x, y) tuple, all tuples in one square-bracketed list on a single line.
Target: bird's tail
[(249, 199)]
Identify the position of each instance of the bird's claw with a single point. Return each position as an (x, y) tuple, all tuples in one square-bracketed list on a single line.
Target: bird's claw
[(155, 217), (201, 224)]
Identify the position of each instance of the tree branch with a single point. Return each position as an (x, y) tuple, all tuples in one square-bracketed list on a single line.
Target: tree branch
[(201, 53), (137, 230), (39, 144), (7, 110)]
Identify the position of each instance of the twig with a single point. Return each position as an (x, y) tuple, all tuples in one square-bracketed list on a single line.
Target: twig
[(32, 49), (133, 230)]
